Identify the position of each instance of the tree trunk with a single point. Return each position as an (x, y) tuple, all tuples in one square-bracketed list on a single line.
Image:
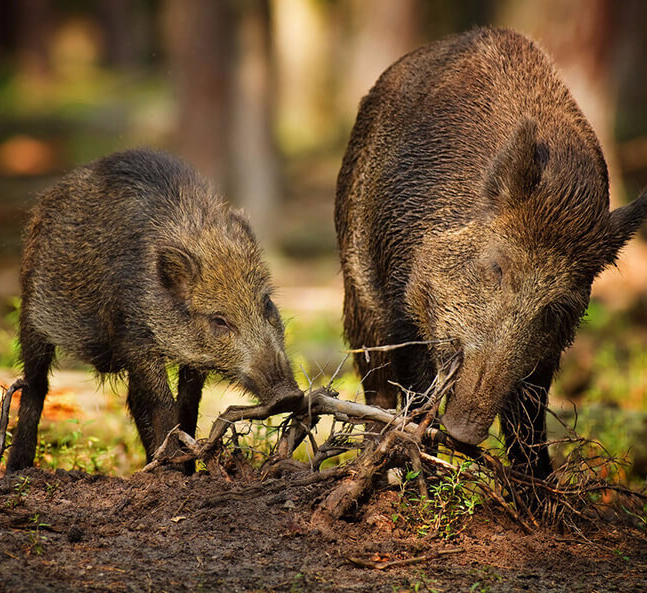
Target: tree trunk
[(381, 32), (200, 38), (254, 163)]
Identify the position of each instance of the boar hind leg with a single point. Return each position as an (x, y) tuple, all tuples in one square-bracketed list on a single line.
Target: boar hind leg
[(189, 392), (363, 329), (37, 355), (151, 405), (523, 421)]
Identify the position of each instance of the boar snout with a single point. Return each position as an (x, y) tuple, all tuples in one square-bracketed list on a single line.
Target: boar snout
[(469, 426), (479, 394), (268, 376)]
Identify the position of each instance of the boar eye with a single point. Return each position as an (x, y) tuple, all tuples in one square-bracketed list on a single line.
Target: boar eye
[(492, 272), (219, 323)]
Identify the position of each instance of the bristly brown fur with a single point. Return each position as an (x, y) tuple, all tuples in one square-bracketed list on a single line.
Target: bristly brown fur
[(472, 206)]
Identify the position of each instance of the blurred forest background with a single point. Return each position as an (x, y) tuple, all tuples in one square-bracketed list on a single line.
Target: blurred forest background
[(260, 95)]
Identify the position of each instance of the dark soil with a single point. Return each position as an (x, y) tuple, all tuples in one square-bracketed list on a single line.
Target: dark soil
[(70, 531)]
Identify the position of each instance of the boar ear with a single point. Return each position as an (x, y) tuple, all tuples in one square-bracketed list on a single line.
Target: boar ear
[(516, 169), (624, 222), (177, 270)]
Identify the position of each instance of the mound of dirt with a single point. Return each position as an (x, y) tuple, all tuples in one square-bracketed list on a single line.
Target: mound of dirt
[(70, 531)]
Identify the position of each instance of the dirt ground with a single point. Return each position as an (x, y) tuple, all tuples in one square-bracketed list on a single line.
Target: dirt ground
[(71, 531)]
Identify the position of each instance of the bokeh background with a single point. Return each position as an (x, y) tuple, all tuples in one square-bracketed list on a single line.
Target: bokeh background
[(260, 96)]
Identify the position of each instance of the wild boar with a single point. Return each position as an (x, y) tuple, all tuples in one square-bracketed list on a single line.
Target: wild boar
[(132, 263), (472, 213)]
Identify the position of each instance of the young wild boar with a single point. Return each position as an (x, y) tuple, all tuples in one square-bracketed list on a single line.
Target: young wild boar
[(132, 263), (472, 212)]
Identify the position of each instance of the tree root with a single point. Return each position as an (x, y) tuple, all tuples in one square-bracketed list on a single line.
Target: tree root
[(346, 494), (386, 564), (315, 404)]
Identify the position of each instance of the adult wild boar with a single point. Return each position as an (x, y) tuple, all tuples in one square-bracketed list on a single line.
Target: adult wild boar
[(132, 263), (472, 212)]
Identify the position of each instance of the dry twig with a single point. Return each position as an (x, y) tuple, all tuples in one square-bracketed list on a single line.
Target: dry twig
[(386, 564), (4, 413)]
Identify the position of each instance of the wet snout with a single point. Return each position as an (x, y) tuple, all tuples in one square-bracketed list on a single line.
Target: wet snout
[(268, 376), (480, 393)]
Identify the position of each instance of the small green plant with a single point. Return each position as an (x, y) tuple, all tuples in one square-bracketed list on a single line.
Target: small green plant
[(487, 577), (51, 489), (416, 585), (297, 583), (73, 449), (256, 439), (642, 518), (262, 437), (444, 511), (37, 540), (621, 554), (20, 491), (410, 476), (422, 583)]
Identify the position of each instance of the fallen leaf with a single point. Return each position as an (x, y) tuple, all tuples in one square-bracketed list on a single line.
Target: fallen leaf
[(178, 518)]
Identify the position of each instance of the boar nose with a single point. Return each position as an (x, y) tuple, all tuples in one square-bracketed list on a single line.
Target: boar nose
[(466, 423), (463, 429), (479, 394), (268, 374)]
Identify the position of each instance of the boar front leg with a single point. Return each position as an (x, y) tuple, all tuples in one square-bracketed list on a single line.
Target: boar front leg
[(189, 392)]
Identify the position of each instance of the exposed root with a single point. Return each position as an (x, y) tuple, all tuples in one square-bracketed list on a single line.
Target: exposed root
[(346, 494)]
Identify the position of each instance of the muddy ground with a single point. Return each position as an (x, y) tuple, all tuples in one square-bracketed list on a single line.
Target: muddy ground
[(71, 531)]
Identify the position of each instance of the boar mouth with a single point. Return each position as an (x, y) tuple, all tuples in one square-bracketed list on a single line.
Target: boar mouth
[(284, 396), (464, 428), (464, 431)]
